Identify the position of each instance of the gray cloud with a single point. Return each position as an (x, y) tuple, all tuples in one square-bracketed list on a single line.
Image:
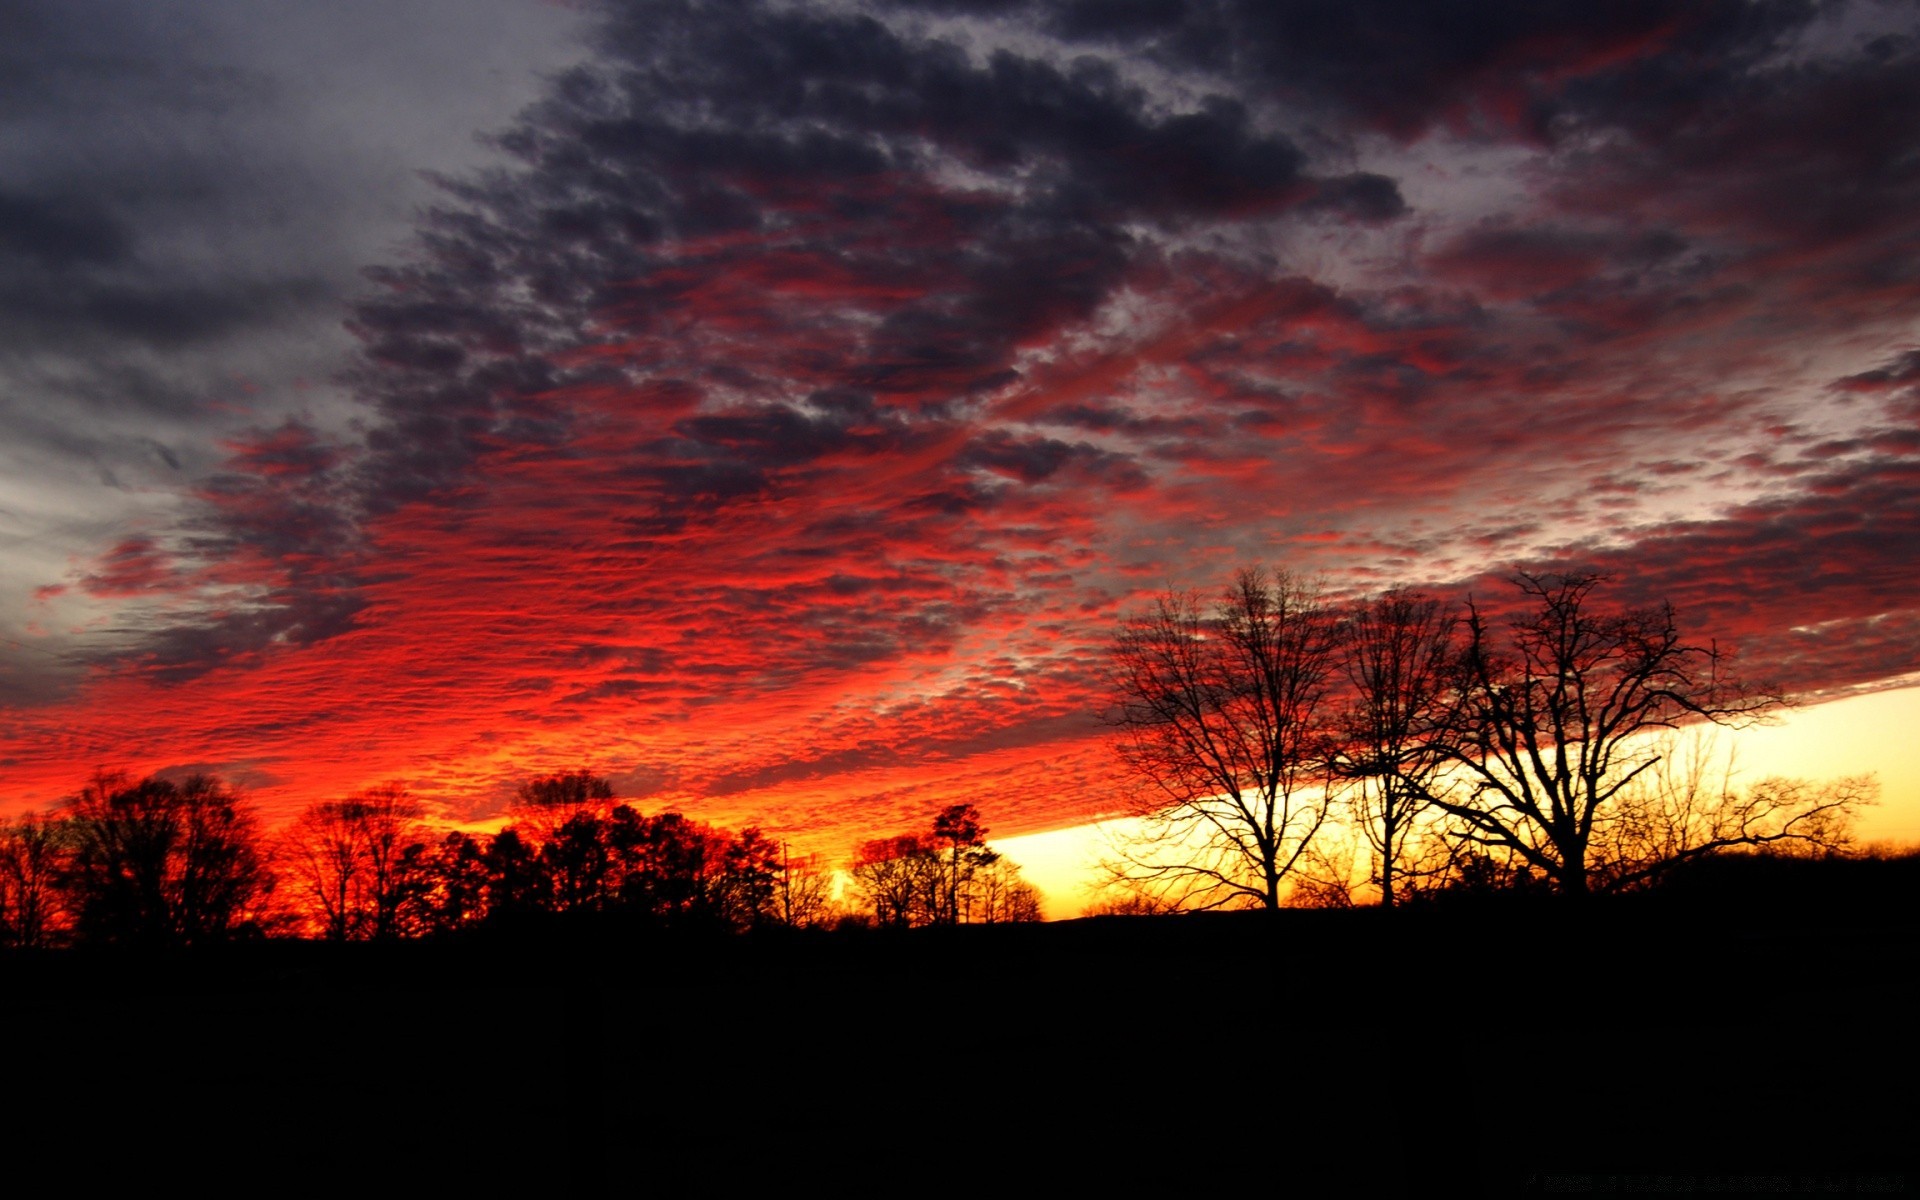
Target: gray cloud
[(187, 193)]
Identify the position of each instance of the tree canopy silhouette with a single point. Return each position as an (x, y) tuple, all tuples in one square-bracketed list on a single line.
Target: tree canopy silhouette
[(32, 857), (946, 876), (159, 863)]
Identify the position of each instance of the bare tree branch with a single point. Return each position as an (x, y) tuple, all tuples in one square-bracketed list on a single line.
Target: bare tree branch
[(1223, 718)]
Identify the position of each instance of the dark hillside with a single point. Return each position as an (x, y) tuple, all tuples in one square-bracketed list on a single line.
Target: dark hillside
[(1707, 1032)]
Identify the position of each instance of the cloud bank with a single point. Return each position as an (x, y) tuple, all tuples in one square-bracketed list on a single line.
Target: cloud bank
[(782, 418)]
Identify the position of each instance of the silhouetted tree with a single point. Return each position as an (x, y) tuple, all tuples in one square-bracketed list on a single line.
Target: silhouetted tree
[(803, 894), (564, 815), (1126, 902), (675, 870), (1222, 716), (549, 802), (321, 857), (349, 859), (457, 892), (900, 877), (1001, 896), (963, 853), (1550, 725), (32, 858), (1325, 875), (627, 833), (674, 861), (515, 884), (392, 821), (1483, 872), (577, 864), (160, 863), (1689, 805), (1397, 652), (947, 876), (749, 874)]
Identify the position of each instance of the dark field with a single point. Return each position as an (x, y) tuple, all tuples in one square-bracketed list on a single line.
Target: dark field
[(1753, 1026)]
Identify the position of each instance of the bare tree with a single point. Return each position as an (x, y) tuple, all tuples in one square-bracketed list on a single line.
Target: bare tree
[(1222, 717), (1691, 804), (321, 856), (1325, 876), (1555, 721), (1001, 896), (1397, 653), (347, 858), (901, 879), (948, 876), (32, 853), (803, 895)]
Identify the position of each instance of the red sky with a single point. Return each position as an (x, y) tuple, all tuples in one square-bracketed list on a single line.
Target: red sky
[(782, 418)]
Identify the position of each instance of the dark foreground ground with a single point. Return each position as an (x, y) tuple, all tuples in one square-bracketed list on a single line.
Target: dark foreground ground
[(1734, 1035)]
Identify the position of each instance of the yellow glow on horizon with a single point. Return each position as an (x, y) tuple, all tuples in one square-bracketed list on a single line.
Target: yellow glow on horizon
[(1062, 863), (1874, 733)]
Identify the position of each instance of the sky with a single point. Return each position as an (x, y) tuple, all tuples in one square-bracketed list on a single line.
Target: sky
[(776, 408)]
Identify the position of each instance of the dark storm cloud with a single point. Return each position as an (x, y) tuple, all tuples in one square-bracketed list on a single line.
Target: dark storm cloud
[(81, 315), (719, 166), (56, 233), (1729, 108), (95, 207), (779, 436), (1091, 136), (1405, 67), (1363, 196), (1780, 161), (1104, 419)]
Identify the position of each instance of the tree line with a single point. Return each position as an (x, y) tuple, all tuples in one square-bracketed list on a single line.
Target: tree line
[(1284, 748), (166, 864), (945, 876), (1543, 747)]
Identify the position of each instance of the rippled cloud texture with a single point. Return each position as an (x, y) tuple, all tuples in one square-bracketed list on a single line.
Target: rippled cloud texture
[(782, 410)]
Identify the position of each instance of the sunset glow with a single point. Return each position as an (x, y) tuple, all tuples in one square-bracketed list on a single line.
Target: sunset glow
[(779, 410)]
